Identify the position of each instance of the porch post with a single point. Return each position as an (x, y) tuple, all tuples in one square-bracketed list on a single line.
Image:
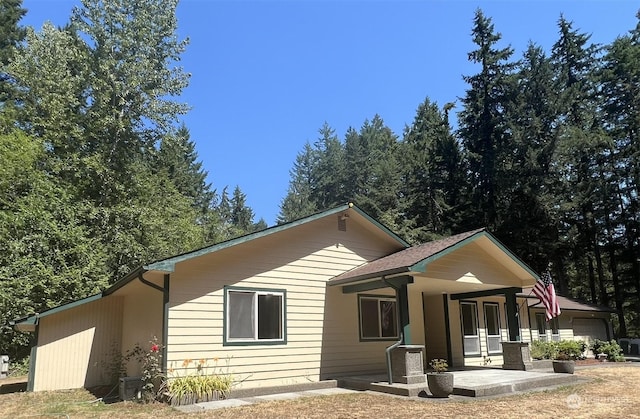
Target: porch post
[(402, 297), (512, 316)]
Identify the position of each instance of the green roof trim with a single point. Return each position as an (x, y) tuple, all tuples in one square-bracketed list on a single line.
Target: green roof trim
[(34, 319), (422, 265), (168, 265)]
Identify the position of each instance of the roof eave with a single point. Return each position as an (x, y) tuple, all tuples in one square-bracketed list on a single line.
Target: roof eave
[(365, 277)]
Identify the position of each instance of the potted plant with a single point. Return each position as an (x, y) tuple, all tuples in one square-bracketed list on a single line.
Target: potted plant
[(440, 381), (565, 354)]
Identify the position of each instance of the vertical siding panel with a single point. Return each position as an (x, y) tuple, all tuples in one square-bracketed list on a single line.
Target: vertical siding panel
[(72, 345)]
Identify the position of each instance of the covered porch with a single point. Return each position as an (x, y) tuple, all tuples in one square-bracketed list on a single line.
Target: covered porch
[(439, 287)]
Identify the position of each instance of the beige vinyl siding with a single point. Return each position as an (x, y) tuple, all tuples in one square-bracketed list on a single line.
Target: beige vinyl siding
[(470, 264), (76, 346), (435, 327), (564, 322), (321, 322), (142, 309)]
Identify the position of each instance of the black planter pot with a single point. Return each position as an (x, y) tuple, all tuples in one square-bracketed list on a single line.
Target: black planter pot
[(440, 384), (566, 367)]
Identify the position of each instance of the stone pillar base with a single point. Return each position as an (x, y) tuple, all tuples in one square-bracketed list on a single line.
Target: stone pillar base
[(516, 356), (407, 365)]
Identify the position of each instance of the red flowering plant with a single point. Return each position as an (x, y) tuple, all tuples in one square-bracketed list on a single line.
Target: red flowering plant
[(151, 374)]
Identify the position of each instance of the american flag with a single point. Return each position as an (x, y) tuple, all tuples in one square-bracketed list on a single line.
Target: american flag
[(545, 291)]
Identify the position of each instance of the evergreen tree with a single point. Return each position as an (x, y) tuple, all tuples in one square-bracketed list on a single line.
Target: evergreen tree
[(620, 93), (373, 175), (483, 126), (11, 34), (328, 189), (529, 227), (178, 157), (299, 202), (579, 147), (241, 214), (432, 174)]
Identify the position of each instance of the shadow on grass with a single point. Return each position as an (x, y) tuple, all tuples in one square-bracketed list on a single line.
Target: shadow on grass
[(108, 394), (13, 387)]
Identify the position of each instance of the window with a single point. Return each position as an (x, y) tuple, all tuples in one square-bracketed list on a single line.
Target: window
[(555, 329), (378, 317), (541, 322), (492, 324), (254, 316), (469, 313)]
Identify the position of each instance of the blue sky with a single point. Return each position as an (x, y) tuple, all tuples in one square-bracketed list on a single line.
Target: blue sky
[(267, 74)]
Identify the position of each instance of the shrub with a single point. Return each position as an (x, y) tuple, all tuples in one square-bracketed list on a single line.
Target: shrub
[(569, 349), (542, 350), (19, 368), (611, 349), (150, 361), (560, 350)]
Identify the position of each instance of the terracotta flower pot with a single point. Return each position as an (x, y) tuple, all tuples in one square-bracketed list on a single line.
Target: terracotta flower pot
[(440, 384)]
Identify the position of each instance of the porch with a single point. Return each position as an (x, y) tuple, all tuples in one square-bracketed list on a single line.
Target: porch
[(469, 382)]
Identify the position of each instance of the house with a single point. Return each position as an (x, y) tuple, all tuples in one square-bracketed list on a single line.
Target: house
[(577, 321), (295, 304)]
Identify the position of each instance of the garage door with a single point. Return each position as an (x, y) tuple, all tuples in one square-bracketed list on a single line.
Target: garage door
[(589, 330)]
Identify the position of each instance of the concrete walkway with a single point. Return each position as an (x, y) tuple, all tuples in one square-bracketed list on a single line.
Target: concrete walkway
[(220, 404), (470, 383)]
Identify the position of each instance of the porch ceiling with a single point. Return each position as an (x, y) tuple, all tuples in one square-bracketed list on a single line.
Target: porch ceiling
[(433, 286)]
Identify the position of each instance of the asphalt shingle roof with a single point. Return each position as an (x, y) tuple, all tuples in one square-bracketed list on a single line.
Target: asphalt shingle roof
[(403, 260), (565, 303)]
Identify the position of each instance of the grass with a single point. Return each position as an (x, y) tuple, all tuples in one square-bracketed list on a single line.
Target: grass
[(612, 392)]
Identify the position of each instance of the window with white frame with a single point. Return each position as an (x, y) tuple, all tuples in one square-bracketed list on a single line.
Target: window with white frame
[(378, 317), (254, 316), (471, 338), (541, 323), (492, 325)]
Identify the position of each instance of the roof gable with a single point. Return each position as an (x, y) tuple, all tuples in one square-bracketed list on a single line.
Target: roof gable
[(168, 264), (416, 259)]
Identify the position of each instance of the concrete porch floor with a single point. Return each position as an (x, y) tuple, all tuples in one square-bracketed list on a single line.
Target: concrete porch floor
[(477, 382)]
